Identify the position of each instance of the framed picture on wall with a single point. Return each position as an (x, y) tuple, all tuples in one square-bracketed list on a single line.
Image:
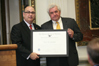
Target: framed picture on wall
[(94, 14)]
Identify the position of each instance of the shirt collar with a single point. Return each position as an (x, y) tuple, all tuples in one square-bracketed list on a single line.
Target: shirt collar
[(27, 23), (57, 21)]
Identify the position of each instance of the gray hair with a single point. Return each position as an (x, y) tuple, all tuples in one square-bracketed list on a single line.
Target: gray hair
[(53, 5)]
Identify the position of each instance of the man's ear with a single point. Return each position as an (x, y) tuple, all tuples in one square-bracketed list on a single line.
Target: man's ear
[(90, 61)]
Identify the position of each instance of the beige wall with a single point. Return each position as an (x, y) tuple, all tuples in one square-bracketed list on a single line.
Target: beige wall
[(67, 9)]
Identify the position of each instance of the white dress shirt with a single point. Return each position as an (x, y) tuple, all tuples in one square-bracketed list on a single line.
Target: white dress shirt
[(29, 25), (55, 24)]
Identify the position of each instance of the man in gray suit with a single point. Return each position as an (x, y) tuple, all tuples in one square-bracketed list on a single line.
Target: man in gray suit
[(73, 31)]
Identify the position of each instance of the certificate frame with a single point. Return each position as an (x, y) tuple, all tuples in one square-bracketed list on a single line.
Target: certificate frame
[(35, 45)]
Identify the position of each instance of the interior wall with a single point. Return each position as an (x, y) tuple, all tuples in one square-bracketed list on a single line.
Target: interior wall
[(14, 12), (84, 22), (67, 9)]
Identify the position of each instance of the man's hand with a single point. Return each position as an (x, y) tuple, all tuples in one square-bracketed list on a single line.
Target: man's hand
[(70, 32), (34, 56)]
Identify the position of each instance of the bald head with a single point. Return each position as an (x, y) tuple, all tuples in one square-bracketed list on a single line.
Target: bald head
[(29, 14), (29, 7)]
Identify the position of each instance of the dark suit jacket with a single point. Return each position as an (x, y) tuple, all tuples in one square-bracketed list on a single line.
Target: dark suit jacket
[(20, 35), (72, 60)]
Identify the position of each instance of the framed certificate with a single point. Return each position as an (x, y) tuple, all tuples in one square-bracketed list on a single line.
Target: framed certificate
[(50, 43)]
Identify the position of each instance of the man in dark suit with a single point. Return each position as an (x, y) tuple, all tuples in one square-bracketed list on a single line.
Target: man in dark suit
[(20, 35), (73, 31), (93, 52)]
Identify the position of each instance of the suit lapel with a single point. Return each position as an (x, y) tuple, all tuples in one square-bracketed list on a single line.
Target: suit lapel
[(50, 25), (65, 26), (35, 26), (26, 29)]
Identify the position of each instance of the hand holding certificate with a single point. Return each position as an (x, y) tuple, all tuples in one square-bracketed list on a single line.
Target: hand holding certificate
[(50, 43)]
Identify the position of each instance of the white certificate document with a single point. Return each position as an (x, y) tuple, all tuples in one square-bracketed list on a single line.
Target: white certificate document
[(50, 43)]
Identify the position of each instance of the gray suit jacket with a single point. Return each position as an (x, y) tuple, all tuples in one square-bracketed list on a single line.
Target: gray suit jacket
[(72, 60)]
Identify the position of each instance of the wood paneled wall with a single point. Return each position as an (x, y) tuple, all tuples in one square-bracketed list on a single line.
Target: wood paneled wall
[(84, 22)]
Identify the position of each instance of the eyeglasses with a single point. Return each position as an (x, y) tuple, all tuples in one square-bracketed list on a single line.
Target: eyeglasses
[(30, 12)]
